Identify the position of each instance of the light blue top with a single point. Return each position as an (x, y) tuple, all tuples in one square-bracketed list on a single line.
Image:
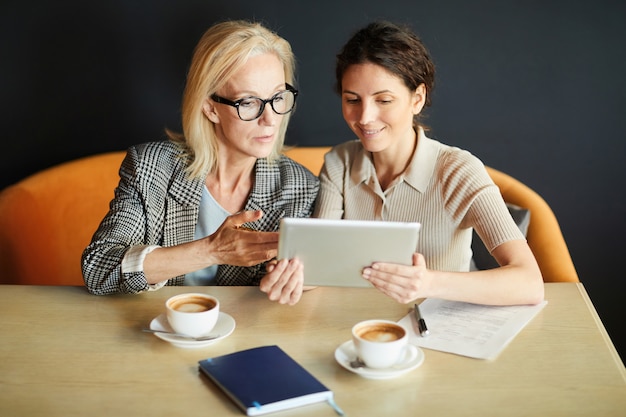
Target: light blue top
[(211, 216)]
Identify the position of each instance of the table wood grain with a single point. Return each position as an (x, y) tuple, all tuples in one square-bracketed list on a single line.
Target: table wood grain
[(66, 353)]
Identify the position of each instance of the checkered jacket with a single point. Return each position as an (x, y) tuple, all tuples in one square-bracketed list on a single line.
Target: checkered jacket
[(156, 204)]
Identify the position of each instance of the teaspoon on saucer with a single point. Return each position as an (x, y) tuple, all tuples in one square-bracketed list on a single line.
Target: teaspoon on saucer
[(357, 363), (182, 336)]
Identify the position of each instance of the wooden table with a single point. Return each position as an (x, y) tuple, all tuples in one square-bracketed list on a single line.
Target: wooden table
[(65, 353)]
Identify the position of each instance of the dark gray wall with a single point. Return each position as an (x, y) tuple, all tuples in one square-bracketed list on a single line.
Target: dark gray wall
[(534, 88)]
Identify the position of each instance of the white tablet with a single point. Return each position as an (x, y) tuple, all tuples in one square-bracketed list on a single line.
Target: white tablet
[(334, 252)]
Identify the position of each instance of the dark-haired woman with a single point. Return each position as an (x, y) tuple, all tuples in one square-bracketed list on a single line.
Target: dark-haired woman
[(394, 172)]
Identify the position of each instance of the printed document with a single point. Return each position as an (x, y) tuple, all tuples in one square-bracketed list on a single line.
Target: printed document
[(476, 331)]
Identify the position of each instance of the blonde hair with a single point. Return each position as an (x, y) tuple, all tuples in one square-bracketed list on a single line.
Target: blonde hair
[(222, 50)]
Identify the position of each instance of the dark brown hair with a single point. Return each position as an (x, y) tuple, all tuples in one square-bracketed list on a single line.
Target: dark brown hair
[(396, 48)]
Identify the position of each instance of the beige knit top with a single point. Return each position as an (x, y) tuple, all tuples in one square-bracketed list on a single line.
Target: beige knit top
[(446, 189)]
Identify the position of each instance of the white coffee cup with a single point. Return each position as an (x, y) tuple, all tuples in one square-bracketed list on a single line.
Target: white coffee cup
[(193, 314), (380, 343)]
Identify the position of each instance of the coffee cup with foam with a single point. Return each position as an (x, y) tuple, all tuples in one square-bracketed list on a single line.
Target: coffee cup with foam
[(380, 344), (192, 314)]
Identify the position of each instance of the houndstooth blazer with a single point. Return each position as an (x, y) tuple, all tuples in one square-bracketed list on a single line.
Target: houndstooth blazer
[(156, 204)]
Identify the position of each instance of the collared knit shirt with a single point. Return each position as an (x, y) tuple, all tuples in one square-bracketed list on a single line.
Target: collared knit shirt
[(446, 189)]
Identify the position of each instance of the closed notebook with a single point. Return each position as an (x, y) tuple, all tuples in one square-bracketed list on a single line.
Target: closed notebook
[(265, 379)]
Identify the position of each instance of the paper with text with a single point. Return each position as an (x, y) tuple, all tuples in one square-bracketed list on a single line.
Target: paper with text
[(473, 330)]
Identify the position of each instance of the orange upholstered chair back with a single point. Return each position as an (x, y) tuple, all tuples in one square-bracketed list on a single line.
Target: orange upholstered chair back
[(544, 233), (47, 219)]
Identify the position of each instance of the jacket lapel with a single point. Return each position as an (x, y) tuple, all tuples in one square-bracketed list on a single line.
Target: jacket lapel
[(183, 202)]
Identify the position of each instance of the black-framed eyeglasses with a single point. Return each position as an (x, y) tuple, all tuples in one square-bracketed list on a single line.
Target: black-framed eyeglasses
[(251, 108)]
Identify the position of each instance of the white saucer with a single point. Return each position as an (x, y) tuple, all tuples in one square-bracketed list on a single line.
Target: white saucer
[(346, 353), (224, 327)]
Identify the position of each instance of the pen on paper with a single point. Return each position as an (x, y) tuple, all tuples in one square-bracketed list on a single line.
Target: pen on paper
[(421, 324)]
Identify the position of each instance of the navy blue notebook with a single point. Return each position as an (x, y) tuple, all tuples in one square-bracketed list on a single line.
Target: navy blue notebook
[(265, 379)]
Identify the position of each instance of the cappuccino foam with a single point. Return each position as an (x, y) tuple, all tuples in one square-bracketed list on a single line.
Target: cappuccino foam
[(193, 305), (381, 333)]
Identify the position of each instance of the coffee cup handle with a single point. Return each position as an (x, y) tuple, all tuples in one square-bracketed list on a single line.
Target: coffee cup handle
[(409, 353)]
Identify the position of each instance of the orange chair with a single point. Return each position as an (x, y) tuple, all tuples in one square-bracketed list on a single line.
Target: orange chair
[(47, 219), (544, 233)]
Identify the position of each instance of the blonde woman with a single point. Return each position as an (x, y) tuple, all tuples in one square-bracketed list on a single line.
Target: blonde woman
[(203, 207)]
